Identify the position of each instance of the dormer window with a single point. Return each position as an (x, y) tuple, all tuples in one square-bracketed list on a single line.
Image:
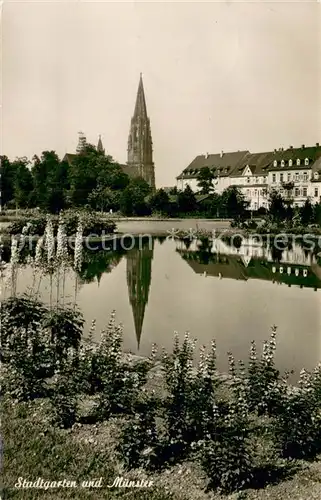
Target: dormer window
[(298, 161), (306, 161), (282, 163), (316, 175), (275, 163), (290, 163)]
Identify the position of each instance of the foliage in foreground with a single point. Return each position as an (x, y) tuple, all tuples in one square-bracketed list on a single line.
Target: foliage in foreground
[(197, 416)]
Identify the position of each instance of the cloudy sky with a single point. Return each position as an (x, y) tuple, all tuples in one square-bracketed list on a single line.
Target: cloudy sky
[(217, 75)]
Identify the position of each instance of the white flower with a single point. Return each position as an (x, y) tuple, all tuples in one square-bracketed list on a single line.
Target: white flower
[(78, 247), (49, 240)]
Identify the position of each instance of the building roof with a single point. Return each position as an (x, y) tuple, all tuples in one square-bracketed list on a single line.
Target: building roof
[(233, 164), (220, 163), (257, 162)]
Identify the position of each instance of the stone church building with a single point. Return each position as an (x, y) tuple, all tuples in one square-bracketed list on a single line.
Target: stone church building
[(140, 145)]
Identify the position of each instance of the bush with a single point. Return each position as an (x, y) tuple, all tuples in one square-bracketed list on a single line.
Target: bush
[(92, 224), (298, 425), (226, 453), (139, 442)]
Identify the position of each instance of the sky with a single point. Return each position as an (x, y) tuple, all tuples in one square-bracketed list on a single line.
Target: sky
[(217, 76)]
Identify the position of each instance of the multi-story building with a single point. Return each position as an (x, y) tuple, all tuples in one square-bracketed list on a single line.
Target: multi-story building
[(294, 172)]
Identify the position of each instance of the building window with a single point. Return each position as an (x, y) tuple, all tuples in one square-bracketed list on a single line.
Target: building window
[(255, 192), (316, 192), (290, 163), (281, 177), (248, 180), (282, 163), (305, 192), (273, 177), (248, 193), (305, 176), (306, 161), (275, 163), (297, 177), (297, 192), (256, 180), (289, 177), (298, 161)]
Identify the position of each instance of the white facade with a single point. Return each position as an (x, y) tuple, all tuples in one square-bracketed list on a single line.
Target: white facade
[(297, 177)]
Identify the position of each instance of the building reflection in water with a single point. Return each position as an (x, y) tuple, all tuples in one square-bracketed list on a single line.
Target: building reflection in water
[(249, 260), (139, 274)]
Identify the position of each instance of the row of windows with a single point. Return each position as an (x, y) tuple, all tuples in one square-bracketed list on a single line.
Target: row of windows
[(290, 162), (257, 180), (288, 178), (299, 192), (255, 193)]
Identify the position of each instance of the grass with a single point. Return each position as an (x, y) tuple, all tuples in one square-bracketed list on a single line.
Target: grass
[(32, 450)]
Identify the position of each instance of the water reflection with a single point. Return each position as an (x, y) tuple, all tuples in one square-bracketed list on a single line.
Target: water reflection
[(159, 286), (249, 260), (139, 275)]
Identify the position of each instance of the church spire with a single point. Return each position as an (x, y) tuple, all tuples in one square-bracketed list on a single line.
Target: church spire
[(100, 147), (140, 144), (140, 106)]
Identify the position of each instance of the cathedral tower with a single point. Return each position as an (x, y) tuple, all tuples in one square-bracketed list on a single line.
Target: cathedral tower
[(140, 145)]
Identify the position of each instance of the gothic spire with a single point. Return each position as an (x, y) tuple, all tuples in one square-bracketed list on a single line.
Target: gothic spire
[(100, 147), (140, 106)]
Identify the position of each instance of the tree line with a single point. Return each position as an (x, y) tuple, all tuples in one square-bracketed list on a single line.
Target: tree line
[(94, 180)]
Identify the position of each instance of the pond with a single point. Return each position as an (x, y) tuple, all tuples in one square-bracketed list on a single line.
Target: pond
[(212, 289)]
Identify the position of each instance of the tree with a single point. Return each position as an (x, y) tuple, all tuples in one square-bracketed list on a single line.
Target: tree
[(186, 201), (233, 203), (102, 198), (277, 207), (92, 171), (133, 198), (50, 181), (23, 184), (205, 180), (8, 175), (306, 213), (159, 201)]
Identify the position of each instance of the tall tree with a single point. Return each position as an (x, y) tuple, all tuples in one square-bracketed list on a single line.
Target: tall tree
[(277, 207), (233, 203), (307, 213), (133, 198), (8, 175), (23, 185), (186, 201), (205, 180), (159, 201)]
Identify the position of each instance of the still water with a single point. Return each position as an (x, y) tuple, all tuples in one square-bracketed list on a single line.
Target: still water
[(213, 290)]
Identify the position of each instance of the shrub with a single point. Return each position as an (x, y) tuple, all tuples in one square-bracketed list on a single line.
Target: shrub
[(226, 452), (264, 387), (116, 382), (139, 443), (298, 424), (64, 398)]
